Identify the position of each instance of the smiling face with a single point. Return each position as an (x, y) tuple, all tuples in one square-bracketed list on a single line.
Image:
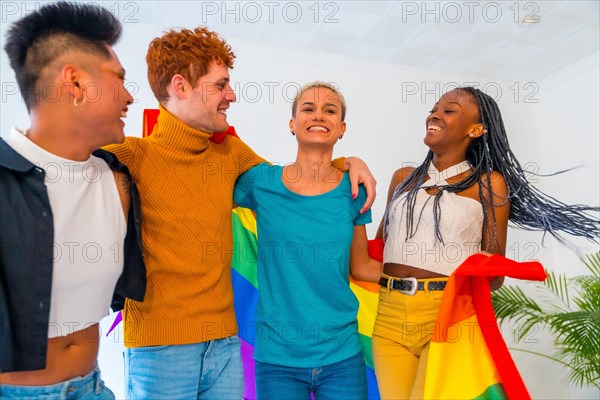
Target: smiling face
[(107, 101), (318, 117), (453, 118), (206, 107)]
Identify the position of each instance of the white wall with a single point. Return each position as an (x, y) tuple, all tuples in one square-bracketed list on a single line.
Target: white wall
[(386, 128), (566, 132)]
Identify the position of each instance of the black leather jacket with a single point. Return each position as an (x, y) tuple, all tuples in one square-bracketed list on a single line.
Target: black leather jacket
[(26, 254)]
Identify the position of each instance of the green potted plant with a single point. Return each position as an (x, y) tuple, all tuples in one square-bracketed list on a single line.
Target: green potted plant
[(570, 309)]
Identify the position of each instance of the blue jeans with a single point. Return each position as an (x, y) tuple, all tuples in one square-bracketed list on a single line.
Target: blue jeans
[(207, 370), (89, 387), (345, 379)]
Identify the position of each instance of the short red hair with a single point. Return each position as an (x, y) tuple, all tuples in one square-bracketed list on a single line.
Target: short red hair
[(184, 52)]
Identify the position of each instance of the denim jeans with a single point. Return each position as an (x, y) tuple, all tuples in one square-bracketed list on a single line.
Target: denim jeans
[(208, 370), (89, 387), (345, 379)]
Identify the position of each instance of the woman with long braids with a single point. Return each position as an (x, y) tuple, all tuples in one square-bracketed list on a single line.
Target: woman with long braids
[(458, 202)]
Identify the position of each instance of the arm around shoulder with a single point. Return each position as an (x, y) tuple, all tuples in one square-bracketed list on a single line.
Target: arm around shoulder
[(244, 157), (124, 151), (362, 266), (243, 192), (358, 172)]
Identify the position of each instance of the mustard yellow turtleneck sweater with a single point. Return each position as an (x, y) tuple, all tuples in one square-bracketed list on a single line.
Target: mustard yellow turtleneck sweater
[(186, 188)]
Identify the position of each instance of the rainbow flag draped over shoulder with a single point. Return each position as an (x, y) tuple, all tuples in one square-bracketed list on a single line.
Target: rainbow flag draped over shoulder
[(468, 358), (245, 288)]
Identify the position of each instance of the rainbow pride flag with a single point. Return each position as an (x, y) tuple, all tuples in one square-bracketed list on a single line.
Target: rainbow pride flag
[(245, 285), (245, 289), (468, 358)]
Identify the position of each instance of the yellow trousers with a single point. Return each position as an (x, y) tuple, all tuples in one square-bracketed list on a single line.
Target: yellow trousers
[(403, 329)]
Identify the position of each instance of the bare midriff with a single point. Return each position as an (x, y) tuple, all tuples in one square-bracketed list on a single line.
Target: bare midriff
[(68, 357), (406, 271)]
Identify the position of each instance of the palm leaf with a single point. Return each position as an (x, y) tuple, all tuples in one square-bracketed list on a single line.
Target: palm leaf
[(559, 288), (572, 317), (589, 293), (510, 302), (578, 331), (584, 370), (592, 262)]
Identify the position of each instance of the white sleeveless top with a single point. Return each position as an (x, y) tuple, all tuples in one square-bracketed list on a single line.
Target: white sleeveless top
[(89, 232), (461, 223)]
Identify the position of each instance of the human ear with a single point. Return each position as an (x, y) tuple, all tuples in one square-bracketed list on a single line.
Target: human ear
[(179, 86), (74, 80), (477, 130)]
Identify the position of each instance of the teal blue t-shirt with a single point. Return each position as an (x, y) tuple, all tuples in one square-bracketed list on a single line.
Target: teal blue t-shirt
[(306, 312)]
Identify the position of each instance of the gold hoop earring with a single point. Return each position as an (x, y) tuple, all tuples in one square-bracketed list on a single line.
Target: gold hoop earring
[(82, 101)]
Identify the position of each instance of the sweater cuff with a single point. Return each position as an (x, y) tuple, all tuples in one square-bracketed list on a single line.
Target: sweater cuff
[(339, 163)]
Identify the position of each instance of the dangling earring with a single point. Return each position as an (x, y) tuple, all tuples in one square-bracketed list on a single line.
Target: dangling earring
[(82, 101)]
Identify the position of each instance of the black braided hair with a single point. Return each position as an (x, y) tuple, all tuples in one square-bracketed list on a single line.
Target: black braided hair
[(530, 208)]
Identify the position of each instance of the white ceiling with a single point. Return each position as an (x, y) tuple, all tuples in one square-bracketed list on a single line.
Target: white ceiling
[(479, 38)]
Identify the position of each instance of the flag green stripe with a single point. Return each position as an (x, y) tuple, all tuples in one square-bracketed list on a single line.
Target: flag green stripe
[(244, 258), (494, 392), (366, 345)]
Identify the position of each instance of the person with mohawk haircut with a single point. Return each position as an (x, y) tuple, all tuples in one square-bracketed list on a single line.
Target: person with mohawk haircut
[(70, 239)]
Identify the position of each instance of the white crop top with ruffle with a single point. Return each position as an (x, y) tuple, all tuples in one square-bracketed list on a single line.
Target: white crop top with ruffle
[(461, 222)]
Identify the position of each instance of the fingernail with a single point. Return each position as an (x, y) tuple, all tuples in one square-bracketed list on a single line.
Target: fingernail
[(354, 195)]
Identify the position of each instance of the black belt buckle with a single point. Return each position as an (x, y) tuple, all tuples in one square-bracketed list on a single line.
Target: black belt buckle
[(412, 281)]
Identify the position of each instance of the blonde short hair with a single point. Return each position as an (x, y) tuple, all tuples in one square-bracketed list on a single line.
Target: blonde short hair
[(319, 84)]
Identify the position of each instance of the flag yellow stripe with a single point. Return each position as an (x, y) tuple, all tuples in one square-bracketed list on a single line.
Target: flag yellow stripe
[(463, 363), (367, 308), (246, 218)]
